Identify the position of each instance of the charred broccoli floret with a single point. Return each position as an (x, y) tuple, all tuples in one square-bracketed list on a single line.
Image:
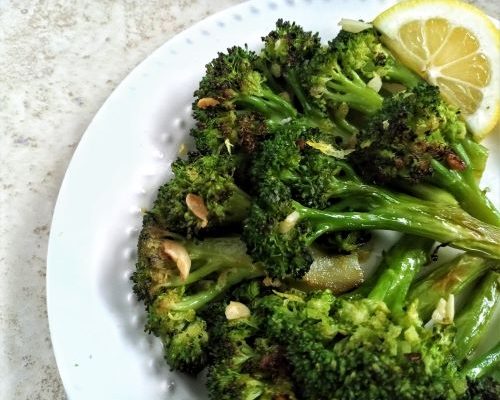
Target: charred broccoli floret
[(176, 278), (201, 196), (246, 364), (417, 137)]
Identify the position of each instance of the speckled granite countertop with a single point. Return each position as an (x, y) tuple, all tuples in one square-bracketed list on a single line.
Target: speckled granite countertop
[(59, 61)]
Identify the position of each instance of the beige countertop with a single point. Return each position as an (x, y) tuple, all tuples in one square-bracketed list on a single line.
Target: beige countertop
[(59, 61)]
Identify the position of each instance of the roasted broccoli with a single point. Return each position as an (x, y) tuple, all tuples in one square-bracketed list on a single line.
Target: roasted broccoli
[(281, 228), (374, 347), (331, 86), (201, 196), (364, 54), (251, 257), (285, 59), (234, 101), (417, 137), (245, 363), (176, 278)]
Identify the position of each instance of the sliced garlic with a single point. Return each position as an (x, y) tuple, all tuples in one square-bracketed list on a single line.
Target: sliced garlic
[(236, 310), (444, 312), (375, 83), (197, 206), (229, 145), (329, 150), (179, 256), (289, 222), (207, 102), (183, 150), (353, 26)]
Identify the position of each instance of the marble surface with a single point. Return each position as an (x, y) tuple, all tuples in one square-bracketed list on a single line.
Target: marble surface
[(59, 61)]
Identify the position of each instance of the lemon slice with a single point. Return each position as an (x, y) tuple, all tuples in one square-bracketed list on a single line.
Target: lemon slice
[(452, 45)]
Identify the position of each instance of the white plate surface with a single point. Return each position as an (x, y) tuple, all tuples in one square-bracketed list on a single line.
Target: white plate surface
[(96, 324)]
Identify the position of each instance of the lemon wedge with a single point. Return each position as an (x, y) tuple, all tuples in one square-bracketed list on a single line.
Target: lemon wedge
[(453, 45)]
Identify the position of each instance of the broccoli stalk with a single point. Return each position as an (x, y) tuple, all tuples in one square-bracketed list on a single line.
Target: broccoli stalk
[(398, 270), (474, 319), (484, 365), (449, 278)]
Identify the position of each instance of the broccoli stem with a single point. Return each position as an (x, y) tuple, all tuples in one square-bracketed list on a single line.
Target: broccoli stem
[(271, 105), (237, 206), (484, 365), (340, 127), (355, 93), (467, 193), (194, 276), (477, 154), (399, 73), (451, 225), (339, 117), (398, 269), (294, 82), (474, 319), (227, 279), (451, 277), (429, 192)]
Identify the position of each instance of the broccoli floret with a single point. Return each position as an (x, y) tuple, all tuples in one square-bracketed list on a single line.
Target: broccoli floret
[(417, 137), (363, 53), (219, 131), (287, 50), (285, 58), (245, 364), (482, 389), (298, 203), (176, 278), (331, 86), (201, 196), (234, 105), (233, 82), (375, 347)]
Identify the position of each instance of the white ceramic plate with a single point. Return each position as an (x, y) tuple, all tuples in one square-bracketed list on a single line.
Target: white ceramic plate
[(96, 324)]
